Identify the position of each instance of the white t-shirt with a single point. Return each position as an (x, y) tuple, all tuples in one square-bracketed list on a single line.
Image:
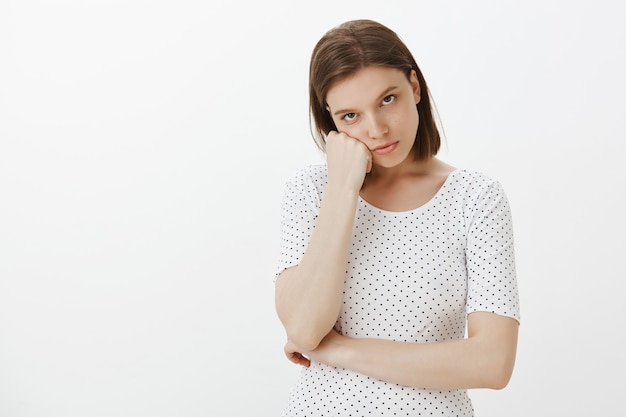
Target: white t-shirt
[(411, 276)]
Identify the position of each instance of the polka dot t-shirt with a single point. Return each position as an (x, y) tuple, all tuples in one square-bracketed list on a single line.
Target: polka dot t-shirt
[(411, 276)]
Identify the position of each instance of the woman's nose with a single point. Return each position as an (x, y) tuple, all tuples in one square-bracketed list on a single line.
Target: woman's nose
[(377, 127)]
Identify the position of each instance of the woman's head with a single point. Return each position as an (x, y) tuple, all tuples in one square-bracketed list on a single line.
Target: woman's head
[(352, 46)]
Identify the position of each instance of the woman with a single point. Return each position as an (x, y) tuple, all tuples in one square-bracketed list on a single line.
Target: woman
[(396, 283)]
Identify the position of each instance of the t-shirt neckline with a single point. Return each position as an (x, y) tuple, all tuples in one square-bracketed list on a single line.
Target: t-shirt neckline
[(420, 208)]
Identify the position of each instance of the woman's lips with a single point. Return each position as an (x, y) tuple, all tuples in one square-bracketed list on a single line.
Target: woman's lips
[(385, 149)]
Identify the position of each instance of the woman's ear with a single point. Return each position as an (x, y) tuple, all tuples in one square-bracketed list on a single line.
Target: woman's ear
[(415, 85)]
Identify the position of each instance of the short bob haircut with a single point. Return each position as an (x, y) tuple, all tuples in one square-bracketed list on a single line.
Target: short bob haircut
[(354, 45)]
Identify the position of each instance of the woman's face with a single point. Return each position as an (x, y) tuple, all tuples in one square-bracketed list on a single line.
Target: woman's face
[(377, 106)]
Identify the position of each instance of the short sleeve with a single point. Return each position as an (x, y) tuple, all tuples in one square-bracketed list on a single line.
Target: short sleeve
[(299, 209), (490, 254)]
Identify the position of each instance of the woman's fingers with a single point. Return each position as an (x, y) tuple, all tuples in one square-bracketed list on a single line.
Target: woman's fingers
[(348, 159), (293, 354)]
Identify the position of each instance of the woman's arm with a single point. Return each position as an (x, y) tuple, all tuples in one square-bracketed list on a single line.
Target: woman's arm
[(485, 359), (308, 296)]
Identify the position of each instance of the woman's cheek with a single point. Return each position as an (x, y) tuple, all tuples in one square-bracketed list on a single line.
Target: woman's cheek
[(353, 133)]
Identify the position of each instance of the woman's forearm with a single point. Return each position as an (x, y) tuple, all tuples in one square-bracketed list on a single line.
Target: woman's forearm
[(309, 295), (483, 360)]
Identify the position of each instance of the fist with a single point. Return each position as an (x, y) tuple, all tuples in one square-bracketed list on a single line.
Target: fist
[(348, 160)]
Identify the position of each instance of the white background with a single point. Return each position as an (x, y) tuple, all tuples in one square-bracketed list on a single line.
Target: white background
[(143, 150)]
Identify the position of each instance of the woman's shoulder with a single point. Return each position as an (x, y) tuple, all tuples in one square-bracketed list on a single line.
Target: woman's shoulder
[(474, 186), (476, 190), (471, 179), (316, 174), (307, 183)]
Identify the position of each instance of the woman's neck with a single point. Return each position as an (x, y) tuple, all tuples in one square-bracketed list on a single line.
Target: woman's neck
[(409, 168)]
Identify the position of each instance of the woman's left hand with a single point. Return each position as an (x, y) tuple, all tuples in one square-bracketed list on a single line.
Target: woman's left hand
[(295, 354)]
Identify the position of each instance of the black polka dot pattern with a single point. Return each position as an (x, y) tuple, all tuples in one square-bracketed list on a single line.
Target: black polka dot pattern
[(411, 276)]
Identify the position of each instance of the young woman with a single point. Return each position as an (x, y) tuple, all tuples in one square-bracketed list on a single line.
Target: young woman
[(396, 282)]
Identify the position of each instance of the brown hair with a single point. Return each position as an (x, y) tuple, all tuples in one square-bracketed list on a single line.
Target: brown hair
[(353, 45)]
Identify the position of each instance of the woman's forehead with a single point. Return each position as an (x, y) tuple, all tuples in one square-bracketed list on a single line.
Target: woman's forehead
[(364, 85)]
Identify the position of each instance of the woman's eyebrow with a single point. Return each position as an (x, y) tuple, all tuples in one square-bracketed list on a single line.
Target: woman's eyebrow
[(380, 96)]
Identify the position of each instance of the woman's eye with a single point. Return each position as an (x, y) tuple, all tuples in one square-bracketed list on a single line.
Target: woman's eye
[(349, 117), (389, 99)]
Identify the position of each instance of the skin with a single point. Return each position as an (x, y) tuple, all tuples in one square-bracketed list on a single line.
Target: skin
[(374, 108)]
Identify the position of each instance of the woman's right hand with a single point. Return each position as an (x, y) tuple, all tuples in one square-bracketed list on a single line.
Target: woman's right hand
[(348, 160)]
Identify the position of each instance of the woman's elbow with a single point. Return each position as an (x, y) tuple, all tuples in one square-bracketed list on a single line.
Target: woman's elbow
[(305, 337), (500, 374), (307, 344), (500, 381)]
